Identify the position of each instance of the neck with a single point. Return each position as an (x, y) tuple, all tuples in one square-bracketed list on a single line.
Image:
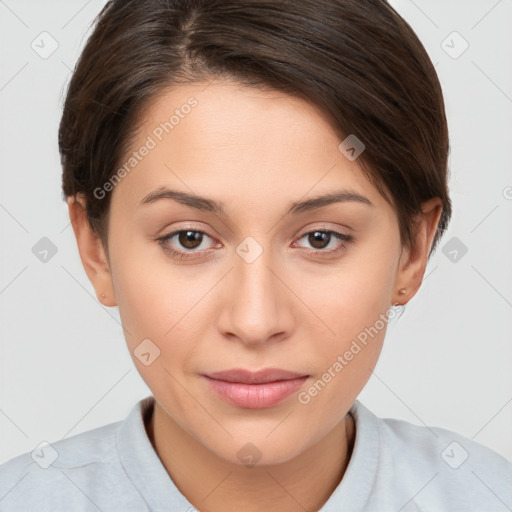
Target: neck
[(213, 484)]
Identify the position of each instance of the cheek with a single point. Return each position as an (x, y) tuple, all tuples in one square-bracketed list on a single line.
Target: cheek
[(345, 360), (160, 301), (351, 296), (149, 299), (149, 308), (353, 303)]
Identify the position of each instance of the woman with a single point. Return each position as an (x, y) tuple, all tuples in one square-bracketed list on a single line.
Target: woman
[(257, 186)]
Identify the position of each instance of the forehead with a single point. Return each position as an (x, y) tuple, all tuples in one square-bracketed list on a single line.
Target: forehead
[(225, 140)]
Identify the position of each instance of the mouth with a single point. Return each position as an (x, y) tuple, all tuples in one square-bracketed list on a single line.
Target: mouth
[(260, 377), (255, 390)]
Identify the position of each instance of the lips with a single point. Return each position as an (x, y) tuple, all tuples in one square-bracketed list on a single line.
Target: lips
[(255, 390), (260, 377)]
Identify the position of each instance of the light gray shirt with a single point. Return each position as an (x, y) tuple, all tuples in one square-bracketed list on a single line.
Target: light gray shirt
[(395, 466)]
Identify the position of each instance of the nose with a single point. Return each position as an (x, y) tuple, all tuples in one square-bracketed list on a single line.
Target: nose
[(257, 305)]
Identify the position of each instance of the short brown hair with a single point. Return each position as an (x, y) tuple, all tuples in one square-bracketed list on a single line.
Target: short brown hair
[(358, 61)]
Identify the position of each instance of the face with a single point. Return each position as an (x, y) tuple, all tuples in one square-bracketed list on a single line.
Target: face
[(256, 281)]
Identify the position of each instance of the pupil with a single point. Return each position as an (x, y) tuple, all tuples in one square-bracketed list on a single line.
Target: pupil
[(188, 239), (319, 237)]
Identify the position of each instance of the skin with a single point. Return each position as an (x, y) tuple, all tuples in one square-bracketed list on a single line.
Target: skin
[(256, 151)]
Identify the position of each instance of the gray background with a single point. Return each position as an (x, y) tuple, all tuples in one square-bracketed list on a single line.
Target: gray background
[(64, 366)]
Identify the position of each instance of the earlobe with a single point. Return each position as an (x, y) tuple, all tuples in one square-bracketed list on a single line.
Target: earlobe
[(413, 261), (92, 252)]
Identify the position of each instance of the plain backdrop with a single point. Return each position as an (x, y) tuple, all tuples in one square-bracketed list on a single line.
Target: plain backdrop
[(64, 365)]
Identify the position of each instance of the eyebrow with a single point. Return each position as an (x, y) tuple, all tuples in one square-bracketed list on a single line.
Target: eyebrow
[(209, 205)]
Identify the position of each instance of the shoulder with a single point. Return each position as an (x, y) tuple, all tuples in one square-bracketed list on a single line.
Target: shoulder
[(438, 469), (77, 471)]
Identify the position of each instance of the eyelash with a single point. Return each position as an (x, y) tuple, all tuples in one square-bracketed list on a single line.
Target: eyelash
[(344, 241)]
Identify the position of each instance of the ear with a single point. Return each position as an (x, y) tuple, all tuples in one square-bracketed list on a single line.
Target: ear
[(413, 260), (92, 253)]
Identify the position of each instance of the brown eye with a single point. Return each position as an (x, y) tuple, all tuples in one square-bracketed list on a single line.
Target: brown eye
[(185, 243), (189, 239), (319, 239)]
